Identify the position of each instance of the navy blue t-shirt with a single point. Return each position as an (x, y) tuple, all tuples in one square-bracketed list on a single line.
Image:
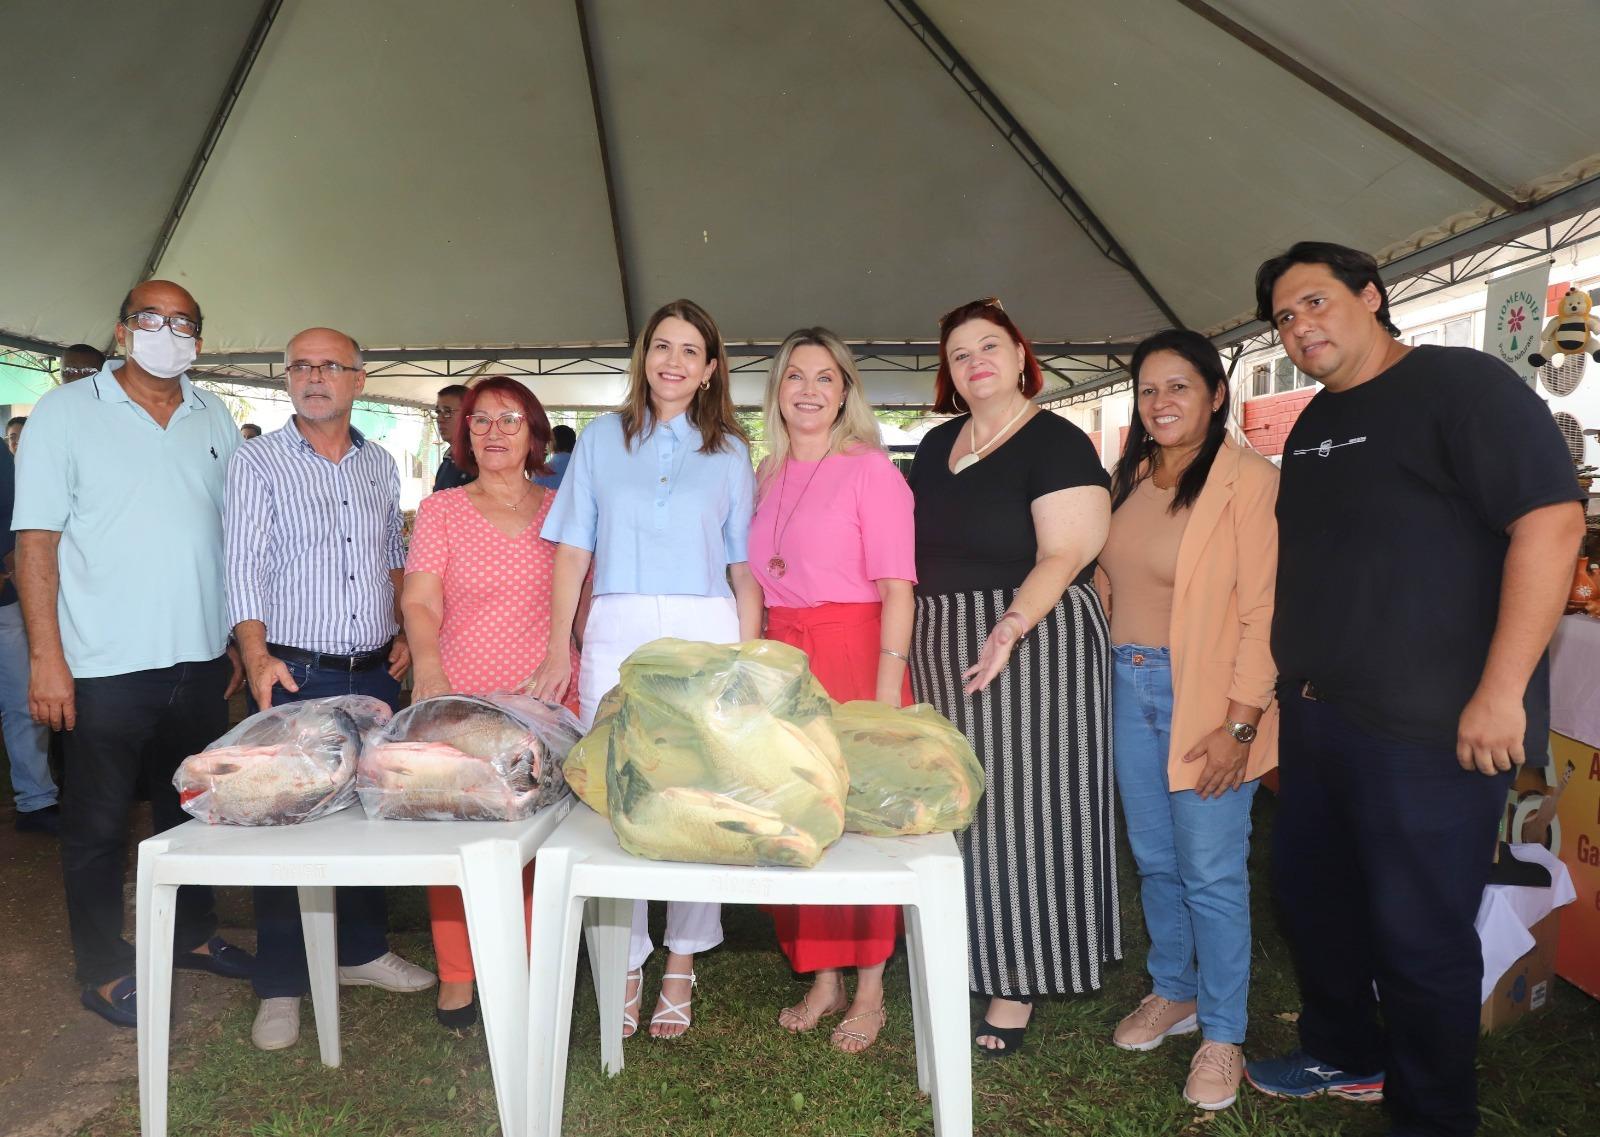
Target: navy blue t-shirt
[(1392, 517)]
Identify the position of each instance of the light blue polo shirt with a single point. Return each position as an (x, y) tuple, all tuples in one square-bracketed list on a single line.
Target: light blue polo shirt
[(139, 510)]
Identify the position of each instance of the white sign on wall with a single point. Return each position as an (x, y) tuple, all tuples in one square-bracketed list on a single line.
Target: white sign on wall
[(1514, 316)]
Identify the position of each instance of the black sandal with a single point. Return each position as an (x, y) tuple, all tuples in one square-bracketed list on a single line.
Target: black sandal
[(1010, 1037)]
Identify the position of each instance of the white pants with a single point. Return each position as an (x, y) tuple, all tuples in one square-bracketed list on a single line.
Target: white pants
[(618, 624)]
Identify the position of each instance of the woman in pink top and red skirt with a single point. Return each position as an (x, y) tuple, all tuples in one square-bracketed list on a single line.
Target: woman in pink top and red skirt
[(832, 545)]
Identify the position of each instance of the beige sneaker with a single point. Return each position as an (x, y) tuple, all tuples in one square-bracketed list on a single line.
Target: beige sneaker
[(277, 1025), (1153, 1022), (1214, 1075)]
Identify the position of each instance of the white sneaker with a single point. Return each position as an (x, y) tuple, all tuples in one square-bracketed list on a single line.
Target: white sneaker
[(277, 1024), (390, 972)]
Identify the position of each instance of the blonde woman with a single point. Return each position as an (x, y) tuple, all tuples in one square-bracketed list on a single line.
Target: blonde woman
[(658, 498), (832, 545)]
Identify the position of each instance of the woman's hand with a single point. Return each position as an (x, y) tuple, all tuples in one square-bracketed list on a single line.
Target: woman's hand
[(552, 678), (428, 683), (994, 654), (1225, 757)]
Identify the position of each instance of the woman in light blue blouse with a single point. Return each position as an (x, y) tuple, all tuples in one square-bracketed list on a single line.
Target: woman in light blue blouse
[(658, 497)]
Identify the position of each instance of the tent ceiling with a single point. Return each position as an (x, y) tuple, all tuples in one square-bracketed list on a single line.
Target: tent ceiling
[(431, 176)]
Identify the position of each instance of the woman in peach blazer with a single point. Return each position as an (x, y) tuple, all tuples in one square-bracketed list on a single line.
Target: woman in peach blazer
[(1187, 575)]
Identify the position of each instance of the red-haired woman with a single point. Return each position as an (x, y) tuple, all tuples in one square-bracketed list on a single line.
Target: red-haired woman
[(477, 600), (1010, 644)]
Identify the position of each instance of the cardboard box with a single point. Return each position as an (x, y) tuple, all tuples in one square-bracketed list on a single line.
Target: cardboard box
[(1576, 840), (1528, 985)]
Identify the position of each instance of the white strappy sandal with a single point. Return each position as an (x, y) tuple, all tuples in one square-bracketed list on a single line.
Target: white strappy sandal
[(630, 1007), (674, 1014)]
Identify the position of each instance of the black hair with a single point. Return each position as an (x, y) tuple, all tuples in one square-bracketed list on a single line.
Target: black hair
[(563, 438), (20, 420), (1354, 269), (453, 389), (127, 307), (85, 349), (1140, 447)]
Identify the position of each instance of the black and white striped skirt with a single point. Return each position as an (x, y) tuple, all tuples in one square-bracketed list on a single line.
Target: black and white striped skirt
[(1041, 857)]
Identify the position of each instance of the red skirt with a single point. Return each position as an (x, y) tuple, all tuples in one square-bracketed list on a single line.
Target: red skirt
[(842, 641)]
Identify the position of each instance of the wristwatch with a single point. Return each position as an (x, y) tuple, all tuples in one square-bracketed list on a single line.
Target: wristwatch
[(1242, 731)]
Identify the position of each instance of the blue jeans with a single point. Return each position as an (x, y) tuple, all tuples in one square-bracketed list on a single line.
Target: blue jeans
[(362, 914), (27, 742), (1191, 853)]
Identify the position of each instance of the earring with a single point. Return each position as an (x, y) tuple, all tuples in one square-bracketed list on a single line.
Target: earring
[(1022, 380), (705, 385), (961, 405)]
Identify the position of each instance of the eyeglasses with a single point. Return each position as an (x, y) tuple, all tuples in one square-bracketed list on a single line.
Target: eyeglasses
[(510, 422), (985, 302), (183, 326), (444, 412), (300, 369)]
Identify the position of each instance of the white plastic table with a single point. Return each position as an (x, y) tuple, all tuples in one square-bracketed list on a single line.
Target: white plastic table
[(484, 859), (586, 879)]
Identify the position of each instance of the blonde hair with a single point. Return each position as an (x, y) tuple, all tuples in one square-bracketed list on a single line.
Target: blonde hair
[(855, 428), (711, 410)]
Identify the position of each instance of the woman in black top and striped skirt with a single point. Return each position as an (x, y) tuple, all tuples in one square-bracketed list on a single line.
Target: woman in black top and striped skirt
[(1011, 645)]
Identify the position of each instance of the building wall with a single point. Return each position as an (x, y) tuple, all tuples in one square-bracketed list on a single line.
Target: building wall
[(1267, 420)]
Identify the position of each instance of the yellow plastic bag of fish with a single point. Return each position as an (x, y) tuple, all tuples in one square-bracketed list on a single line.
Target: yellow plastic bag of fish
[(282, 766), (911, 770), (722, 754)]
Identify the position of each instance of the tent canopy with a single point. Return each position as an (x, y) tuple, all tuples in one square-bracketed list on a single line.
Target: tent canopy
[(527, 179)]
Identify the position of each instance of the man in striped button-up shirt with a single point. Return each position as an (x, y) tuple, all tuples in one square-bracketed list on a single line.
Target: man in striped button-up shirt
[(314, 564)]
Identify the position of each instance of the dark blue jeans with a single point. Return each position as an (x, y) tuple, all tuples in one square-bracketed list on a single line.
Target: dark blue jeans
[(363, 913), (1381, 851), (142, 722)]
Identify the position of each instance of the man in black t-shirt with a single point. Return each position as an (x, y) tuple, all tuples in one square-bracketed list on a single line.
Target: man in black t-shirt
[(446, 409), (1427, 523)]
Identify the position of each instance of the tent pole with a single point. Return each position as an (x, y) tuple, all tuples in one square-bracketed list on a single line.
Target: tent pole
[(973, 86), (605, 169), (1367, 114), (219, 119)]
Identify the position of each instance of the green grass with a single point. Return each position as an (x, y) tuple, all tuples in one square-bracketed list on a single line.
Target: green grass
[(738, 1073)]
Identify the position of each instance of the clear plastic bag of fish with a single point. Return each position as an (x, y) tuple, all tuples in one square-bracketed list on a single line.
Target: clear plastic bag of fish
[(283, 765), (722, 754), (911, 770), (468, 758)]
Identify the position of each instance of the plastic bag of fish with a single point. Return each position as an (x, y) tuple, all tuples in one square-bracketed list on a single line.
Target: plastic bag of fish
[(468, 758), (911, 770), (716, 753), (283, 765)]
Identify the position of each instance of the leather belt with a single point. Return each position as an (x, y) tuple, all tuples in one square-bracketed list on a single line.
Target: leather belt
[(360, 661)]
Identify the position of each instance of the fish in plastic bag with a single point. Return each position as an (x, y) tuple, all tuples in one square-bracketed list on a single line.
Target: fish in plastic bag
[(911, 770), (468, 758), (283, 765), (717, 753)]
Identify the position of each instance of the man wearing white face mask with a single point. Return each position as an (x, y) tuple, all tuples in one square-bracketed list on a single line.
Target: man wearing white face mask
[(120, 566)]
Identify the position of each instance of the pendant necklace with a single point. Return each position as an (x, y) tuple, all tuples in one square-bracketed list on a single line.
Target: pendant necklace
[(776, 565), (513, 506), (969, 460)]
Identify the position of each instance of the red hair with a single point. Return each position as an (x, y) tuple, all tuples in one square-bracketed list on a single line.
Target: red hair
[(537, 423), (944, 387)]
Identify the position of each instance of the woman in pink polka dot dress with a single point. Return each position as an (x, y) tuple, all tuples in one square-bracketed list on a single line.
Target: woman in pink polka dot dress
[(477, 601)]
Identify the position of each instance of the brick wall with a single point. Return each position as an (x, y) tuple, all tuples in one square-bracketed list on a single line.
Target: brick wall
[(1267, 420)]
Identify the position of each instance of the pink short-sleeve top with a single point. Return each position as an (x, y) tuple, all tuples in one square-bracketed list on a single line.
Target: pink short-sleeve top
[(838, 526), (496, 591)]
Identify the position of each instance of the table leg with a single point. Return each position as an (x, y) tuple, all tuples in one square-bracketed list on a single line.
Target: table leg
[(155, 914), (940, 922), (491, 889), (557, 916), (607, 924), (917, 965), (319, 921)]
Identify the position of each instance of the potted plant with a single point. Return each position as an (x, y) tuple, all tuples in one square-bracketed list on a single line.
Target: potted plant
[(1585, 477)]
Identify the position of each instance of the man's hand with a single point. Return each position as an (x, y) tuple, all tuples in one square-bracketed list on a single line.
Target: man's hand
[(1489, 736), (399, 657), (236, 675), (264, 670), (51, 695)]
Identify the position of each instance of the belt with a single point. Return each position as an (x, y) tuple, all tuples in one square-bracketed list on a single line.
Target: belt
[(360, 661), (1308, 690)]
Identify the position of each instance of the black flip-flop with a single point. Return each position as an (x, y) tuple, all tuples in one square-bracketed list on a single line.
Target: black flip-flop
[(1010, 1037)]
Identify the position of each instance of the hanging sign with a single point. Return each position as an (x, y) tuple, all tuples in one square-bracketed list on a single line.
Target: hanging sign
[(1514, 316)]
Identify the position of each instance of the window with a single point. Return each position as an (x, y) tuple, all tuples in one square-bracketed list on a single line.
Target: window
[(1458, 333), (1095, 419), (1431, 336), (1260, 380), (1284, 375)]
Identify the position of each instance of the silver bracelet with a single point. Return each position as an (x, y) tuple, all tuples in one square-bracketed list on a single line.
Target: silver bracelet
[(897, 655)]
